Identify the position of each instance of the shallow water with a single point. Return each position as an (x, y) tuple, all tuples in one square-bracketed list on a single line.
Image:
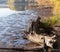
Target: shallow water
[(12, 27)]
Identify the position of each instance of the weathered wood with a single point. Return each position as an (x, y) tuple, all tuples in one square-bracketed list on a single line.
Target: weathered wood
[(20, 50), (55, 50)]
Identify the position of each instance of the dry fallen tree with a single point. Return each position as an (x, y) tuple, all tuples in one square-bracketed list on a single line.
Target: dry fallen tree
[(40, 34)]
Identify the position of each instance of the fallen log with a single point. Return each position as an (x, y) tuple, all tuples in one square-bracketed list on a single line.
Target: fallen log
[(39, 39)]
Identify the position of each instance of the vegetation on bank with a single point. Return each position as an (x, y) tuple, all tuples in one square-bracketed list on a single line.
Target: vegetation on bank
[(56, 9), (52, 21)]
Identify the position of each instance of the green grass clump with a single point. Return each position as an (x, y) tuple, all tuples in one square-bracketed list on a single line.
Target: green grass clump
[(52, 21)]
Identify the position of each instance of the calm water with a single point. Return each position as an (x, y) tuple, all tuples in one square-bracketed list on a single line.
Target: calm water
[(12, 25), (5, 12)]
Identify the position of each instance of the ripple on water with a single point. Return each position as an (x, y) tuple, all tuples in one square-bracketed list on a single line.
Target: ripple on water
[(12, 27)]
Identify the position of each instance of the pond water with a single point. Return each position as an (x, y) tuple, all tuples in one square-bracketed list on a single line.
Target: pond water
[(12, 26)]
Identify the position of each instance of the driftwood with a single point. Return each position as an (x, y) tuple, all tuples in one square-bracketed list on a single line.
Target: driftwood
[(39, 39), (36, 29)]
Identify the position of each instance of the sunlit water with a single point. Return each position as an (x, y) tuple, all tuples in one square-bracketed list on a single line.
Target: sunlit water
[(5, 12), (12, 25)]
